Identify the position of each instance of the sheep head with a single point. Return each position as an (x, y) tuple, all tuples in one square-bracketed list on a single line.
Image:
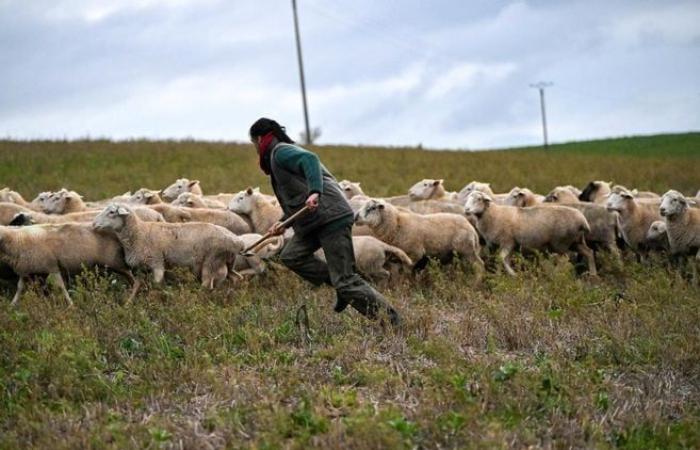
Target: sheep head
[(477, 203), (112, 218), (673, 203), (371, 213), (425, 189), (242, 203)]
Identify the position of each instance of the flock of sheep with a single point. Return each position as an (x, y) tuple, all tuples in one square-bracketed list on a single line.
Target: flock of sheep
[(59, 233)]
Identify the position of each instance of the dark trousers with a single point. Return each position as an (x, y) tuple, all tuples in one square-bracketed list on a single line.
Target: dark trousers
[(351, 289)]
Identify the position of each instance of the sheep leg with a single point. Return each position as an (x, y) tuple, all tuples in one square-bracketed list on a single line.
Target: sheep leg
[(62, 285), (584, 250), (504, 255), (479, 268), (20, 290), (135, 284)]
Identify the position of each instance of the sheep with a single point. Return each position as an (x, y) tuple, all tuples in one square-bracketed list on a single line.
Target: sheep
[(595, 192), (429, 189), (635, 218), (657, 235), (350, 189), (682, 224), (227, 219), (262, 212), (28, 217), (562, 194), (52, 249), (9, 196), (554, 228), (480, 187), (437, 235), (64, 202), (39, 202), (145, 197), (434, 206), (372, 255), (181, 185), (205, 248), (191, 200), (99, 204), (522, 197), (253, 264)]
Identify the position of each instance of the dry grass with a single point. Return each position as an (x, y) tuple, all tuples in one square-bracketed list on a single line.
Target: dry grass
[(549, 359)]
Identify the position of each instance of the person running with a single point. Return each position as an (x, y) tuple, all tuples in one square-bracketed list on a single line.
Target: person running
[(299, 179)]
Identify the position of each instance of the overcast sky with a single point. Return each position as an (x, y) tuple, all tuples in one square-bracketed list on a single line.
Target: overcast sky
[(443, 73)]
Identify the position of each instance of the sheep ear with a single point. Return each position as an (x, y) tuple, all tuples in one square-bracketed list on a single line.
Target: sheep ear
[(256, 190), (691, 202), (249, 190), (149, 194), (437, 182), (634, 192), (192, 183), (122, 211), (380, 205)]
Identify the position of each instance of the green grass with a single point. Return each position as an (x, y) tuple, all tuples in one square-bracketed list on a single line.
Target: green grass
[(546, 359)]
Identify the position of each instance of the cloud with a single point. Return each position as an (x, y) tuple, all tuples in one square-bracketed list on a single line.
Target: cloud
[(468, 75)]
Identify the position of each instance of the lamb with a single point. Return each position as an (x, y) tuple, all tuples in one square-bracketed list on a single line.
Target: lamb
[(635, 218), (181, 185), (145, 197), (372, 255), (429, 189), (262, 212), (682, 224), (190, 200), (436, 235), (562, 194), (657, 235), (596, 192), (52, 249), (522, 197), (205, 248), (350, 189), (64, 202), (554, 228), (39, 202)]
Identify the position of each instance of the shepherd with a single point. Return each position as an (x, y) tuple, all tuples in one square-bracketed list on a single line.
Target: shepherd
[(299, 179)]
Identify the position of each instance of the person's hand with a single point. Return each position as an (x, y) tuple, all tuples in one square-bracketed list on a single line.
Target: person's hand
[(312, 201), (276, 229)]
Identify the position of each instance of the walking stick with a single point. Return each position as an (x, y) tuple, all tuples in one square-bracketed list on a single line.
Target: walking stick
[(249, 250)]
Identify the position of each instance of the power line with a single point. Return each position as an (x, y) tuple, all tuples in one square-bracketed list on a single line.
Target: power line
[(541, 87)]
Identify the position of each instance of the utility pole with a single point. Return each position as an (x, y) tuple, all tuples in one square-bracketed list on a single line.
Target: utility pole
[(541, 86), (301, 73)]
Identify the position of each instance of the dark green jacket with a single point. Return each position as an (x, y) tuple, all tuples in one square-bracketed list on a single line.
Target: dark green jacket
[(297, 173)]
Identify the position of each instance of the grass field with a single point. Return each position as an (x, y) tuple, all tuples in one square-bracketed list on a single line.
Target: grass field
[(549, 359)]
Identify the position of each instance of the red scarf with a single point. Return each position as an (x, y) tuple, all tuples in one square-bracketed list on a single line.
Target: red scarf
[(265, 147)]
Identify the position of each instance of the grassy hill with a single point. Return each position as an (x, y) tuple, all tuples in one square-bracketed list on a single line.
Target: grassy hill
[(548, 359)]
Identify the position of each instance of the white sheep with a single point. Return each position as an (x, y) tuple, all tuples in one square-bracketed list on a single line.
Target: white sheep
[(9, 196), (21, 216), (657, 235), (350, 189), (635, 218), (554, 228), (263, 213), (430, 189), (145, 196), (563, 194), (64, 202), (190, 200), (522, 197), (596, 192), (682, 224), (477, 186), (372, 256), (434, 235), (206, 249), (52, 249), (181, 185)]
